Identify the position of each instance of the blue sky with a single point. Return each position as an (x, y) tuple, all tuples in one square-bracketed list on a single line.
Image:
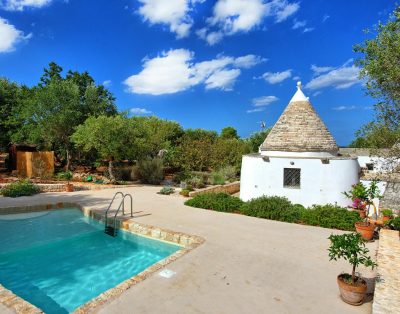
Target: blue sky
[(206, 64)]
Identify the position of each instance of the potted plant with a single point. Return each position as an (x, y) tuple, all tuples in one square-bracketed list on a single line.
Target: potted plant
[(387, 214), (365, 228), (351, 247), (66, 176), (358, 195)]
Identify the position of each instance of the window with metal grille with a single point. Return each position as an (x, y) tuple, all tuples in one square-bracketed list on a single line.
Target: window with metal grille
[(291, 178)]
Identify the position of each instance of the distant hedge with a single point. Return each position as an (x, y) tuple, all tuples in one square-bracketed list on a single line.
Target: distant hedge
[(20, 188), (221, 202), (281, 209)]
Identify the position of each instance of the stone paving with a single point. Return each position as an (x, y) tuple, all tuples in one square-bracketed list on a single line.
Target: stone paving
[(245, 265), (387, 287)]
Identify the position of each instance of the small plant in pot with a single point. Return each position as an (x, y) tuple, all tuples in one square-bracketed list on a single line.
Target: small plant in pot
[(67, 176), (351, 247), (387, 214), (366, 229)]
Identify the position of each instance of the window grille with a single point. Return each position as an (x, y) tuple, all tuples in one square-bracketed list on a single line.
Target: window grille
[(291, 177)]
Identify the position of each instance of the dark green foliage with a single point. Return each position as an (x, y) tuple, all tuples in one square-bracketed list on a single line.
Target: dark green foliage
[(151, 170), (20, 188), (229, 133), (387, 213), (275, 208), (330, 216), (66, 176), (217, 178), (351, 248), (256, 139), (394, 223), (221, 202)]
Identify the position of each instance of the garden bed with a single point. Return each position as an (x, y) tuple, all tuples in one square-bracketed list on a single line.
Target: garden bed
[(230, 188)]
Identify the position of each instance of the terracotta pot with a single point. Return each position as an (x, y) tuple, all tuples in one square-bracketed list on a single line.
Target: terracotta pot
[(365, 229), (386, 218), (350, 294), (69, 187)]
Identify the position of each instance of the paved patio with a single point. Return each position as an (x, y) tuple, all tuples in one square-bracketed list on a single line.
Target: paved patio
[(246, 265)]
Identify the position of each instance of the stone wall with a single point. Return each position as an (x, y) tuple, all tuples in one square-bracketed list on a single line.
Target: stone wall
[(391, 197), (60, 187), (230, 188), (387, 287)]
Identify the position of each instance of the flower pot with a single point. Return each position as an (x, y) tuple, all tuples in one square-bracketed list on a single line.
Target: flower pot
[(366, 229), (352, 294), (386, 218), (69, 187)]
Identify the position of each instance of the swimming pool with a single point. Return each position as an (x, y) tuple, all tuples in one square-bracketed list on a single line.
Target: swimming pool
[(60, 259)]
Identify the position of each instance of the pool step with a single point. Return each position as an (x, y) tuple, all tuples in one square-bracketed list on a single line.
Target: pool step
[(110, 230)]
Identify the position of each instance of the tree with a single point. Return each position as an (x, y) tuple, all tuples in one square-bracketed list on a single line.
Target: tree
[(380, 67), (110, 136), (229, 133), (375, 135), (256, 139), (11, 95)]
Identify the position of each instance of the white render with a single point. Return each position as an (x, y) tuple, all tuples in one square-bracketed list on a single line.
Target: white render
[(299, 140), (321, 183)]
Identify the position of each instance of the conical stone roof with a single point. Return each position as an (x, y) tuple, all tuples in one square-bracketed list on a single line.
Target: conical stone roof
[(300, 129)]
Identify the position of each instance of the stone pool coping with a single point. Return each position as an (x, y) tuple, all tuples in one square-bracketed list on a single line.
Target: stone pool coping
[(186, 241)]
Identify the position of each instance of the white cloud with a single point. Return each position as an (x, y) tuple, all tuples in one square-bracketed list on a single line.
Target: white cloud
[(339, 78), (277, 77), (296, 78), (175, 71), (325, 17), (308, 29), (107, 83), (259, 109), (174, 13), (140, 111), (10, 36), (342, 108), (234, 16), (20, 5), (264, 101), (298, 24), (319, 70)]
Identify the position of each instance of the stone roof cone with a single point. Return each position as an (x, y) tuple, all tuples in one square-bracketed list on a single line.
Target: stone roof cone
[(300, 129)]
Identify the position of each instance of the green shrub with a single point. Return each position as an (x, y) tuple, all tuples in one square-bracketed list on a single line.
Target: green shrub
[(387, 212), (65, 176), (229, 173), (273, 207), (167, 190), (151, 170), (330, 216), (216, 201), (196, 182), (217, 178), (20, 188), (181, 176), (394, 223), (185, 192)]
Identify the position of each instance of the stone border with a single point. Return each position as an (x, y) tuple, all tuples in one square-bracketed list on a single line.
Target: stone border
[(60, 187), (387, 286), (186, 241), (230, 188)]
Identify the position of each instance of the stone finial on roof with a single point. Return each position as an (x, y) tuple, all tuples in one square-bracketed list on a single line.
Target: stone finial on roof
[(300, 129)]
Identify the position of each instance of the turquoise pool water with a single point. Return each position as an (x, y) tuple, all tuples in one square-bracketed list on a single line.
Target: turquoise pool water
[(60, 259)]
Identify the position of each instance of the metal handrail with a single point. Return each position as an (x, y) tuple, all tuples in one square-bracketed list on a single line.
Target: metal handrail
[(121, 204), (109, 206)]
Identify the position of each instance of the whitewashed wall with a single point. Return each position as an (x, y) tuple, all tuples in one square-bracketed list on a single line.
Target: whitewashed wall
[(320, 183)]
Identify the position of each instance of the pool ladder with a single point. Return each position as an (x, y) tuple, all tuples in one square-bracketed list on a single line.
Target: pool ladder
[(112, 229)]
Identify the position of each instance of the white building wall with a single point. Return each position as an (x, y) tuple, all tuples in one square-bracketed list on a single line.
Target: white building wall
[(320, 183)]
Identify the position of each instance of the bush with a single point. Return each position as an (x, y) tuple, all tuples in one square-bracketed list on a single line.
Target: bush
[(167, 190), (273, 207), (229, 173), (387, 213), (151, 170), (394, 223), (217, 178), (330, 216), (216, 201), (184, 192), (20, 188), (196, 182), (65, 176), (181, 176)]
